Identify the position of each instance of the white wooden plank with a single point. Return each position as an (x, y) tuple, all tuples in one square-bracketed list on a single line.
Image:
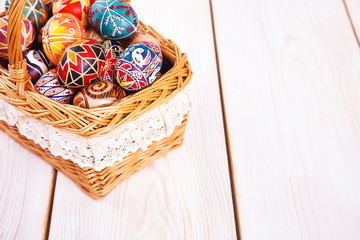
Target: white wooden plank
[(184, 195), (290, 77), (353, 8), (25, 183)]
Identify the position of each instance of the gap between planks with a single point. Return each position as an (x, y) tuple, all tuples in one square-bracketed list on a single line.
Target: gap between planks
[(351, 22), (50, 205), (228, 147)]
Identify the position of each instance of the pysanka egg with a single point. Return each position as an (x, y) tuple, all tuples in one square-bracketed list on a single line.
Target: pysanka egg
[(112, 52), (113, 19), (49, 86), (98, 94), (35, 11), (37, 64), (27, 36), (81, 63), (59, 32), (78, 8), (138, 66)]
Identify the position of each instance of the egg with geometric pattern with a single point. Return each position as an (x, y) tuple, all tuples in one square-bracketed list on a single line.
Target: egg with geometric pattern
[(35, 11), (81, 64), (27, 36), (138, 66), (37, 64), (98, 94), (49, 86), (59, 32), (112, 52)]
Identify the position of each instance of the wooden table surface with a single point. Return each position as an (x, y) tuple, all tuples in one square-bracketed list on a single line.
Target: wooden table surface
[(271, 151)]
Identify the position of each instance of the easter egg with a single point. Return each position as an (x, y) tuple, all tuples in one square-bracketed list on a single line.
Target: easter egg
[(98, 94), (37, 64), (144, 37), (92, 34), (112, 52), (59, 32), (78, 8), (81, 63), (27, 36), (35, 11), (138, 66), (49, 86), (113, 19)]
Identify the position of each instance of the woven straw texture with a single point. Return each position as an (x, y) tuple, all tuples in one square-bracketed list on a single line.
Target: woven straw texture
[(17, 89)]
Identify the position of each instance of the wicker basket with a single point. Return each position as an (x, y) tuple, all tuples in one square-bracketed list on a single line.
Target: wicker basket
[(17, 89)]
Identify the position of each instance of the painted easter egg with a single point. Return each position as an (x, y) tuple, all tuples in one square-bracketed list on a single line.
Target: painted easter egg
[(27, 36), (81, 63), (138, 66), (59, 32), (49, 86), (37, 64), (144, 37), (92, 34), (78, 8), (113, 19), (112, 52), (98, 94), (35, 11)]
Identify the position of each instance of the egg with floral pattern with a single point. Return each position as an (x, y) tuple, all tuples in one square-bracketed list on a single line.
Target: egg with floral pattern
[(37, 64), (112, 52), (78, 8), (59, 32), (98, 94), (49, 86), (35, 11), (81, 63), (138, 66), (27, 36), (113, 19)]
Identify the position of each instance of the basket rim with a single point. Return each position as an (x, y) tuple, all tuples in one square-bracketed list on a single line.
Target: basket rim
[(97, 122)]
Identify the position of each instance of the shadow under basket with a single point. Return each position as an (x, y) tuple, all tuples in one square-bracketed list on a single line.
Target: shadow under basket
[(17, 90)]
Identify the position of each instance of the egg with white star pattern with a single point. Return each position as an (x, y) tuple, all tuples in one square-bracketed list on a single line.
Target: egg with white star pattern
[(113, 19), (49, 86), (81, 64)]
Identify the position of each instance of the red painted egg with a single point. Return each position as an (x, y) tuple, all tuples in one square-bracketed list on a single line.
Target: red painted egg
[(98, 94), (27, 36), (59, 32), (78, 8), (81, 63)]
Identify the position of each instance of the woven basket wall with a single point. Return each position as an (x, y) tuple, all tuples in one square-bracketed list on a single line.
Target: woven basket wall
[(17, 89)]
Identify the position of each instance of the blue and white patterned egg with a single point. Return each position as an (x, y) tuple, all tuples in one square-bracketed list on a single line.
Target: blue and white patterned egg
[(138, 66), (37, 64), (113, 19), (49, 86)]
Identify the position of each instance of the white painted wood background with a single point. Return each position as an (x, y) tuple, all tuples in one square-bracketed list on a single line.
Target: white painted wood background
[(289, 74)]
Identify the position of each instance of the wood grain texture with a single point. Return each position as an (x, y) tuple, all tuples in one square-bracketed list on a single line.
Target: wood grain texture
[(290, 77), (25, 183), (184, 195), (353, 9)]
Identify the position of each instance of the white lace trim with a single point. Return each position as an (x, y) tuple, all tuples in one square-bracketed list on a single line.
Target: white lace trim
[(101, 152)]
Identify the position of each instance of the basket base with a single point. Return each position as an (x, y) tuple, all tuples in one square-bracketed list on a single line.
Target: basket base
[(98, 184)]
